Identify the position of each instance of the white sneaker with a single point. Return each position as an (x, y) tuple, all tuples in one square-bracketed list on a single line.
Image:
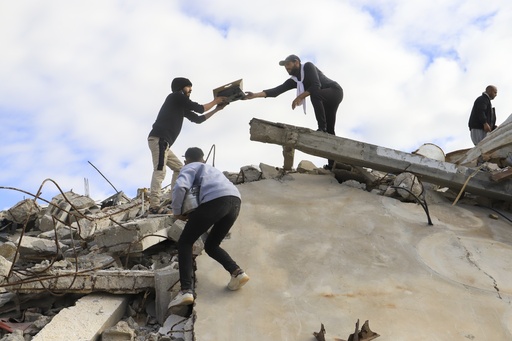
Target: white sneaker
[(238, 281), (182, 298)]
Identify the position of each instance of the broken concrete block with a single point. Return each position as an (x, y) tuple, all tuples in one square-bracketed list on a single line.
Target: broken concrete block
[(24, 211), (165, 278), (410, 182), (354, 184), (62, 207), (33, 247), (5, 268), (249, 174), (306, 166), (55, 216), (178, 328), (86, 320), (269, 172), (8, 250), (120, 332)]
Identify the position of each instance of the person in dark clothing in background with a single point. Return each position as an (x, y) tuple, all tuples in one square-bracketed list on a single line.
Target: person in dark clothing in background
[(325, 94), (483, 116), (166, 129), (219, 205)]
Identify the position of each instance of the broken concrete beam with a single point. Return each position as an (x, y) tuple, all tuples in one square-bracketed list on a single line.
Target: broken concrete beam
[(86, 320), (383, 159), (84, 281), (502, 174), (39, 248), (134, 236)]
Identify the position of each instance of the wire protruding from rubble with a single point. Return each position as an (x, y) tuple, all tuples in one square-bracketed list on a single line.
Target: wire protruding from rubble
[(17, 277), (213, 161), (104, 177), (423, 202)]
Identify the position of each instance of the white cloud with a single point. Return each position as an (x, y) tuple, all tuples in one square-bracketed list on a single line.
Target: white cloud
[(83, 81)]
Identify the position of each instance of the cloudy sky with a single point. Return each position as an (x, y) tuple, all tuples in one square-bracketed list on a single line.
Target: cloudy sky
[(82, 81)]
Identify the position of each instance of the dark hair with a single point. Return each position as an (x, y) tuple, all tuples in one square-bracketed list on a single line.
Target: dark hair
[(179, 83), (194, 154)]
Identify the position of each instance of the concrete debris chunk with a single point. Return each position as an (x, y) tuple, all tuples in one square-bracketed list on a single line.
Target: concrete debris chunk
[(120, 332), (410, 182), (39, 248), (86, 320), (248, 174), (24, 211)]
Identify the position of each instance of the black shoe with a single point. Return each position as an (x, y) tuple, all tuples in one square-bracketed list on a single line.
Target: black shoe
[(328, 167)]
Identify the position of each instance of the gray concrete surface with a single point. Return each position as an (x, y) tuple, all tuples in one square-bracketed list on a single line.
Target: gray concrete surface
[(320, 252)]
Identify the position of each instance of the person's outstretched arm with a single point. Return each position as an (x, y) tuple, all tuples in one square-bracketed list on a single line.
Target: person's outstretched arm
[(216, 101), (251, 95), (218, 108)]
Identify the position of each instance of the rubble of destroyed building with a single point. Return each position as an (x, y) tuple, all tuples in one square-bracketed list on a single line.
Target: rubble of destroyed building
[(115, 267), (107, 269)]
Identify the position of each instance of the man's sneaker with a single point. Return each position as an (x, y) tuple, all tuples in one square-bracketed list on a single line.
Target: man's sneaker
[(183, 298), (237, 281)]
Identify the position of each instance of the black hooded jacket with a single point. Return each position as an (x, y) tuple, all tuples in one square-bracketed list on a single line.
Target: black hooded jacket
[(169, 121)]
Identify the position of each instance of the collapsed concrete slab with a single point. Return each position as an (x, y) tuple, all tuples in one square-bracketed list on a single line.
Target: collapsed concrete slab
[(383, 159)]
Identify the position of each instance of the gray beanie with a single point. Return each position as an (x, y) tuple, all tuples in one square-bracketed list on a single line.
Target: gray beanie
[(179, 83)]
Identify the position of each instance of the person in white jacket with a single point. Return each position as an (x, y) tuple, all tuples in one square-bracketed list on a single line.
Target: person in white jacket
[(219, 205)]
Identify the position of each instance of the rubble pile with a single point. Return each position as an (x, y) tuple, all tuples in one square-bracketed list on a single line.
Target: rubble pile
[(110, 269)]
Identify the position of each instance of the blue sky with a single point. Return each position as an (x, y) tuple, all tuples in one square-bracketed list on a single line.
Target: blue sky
[(82, 81)]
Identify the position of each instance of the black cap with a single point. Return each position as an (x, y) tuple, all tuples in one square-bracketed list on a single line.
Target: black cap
[(179, 83), (194, 154), (290, 58)]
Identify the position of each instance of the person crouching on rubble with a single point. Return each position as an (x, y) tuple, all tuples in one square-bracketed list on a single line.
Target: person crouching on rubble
[(219, 205)]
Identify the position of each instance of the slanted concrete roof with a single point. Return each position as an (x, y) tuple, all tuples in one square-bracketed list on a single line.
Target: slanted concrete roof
[(319, 253)]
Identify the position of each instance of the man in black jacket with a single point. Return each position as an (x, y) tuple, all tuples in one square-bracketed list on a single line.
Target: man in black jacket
[(325, 94), (483, 116), (166, 129)]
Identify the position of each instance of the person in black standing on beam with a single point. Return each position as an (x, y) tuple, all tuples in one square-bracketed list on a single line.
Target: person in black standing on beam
[(325, 94)]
